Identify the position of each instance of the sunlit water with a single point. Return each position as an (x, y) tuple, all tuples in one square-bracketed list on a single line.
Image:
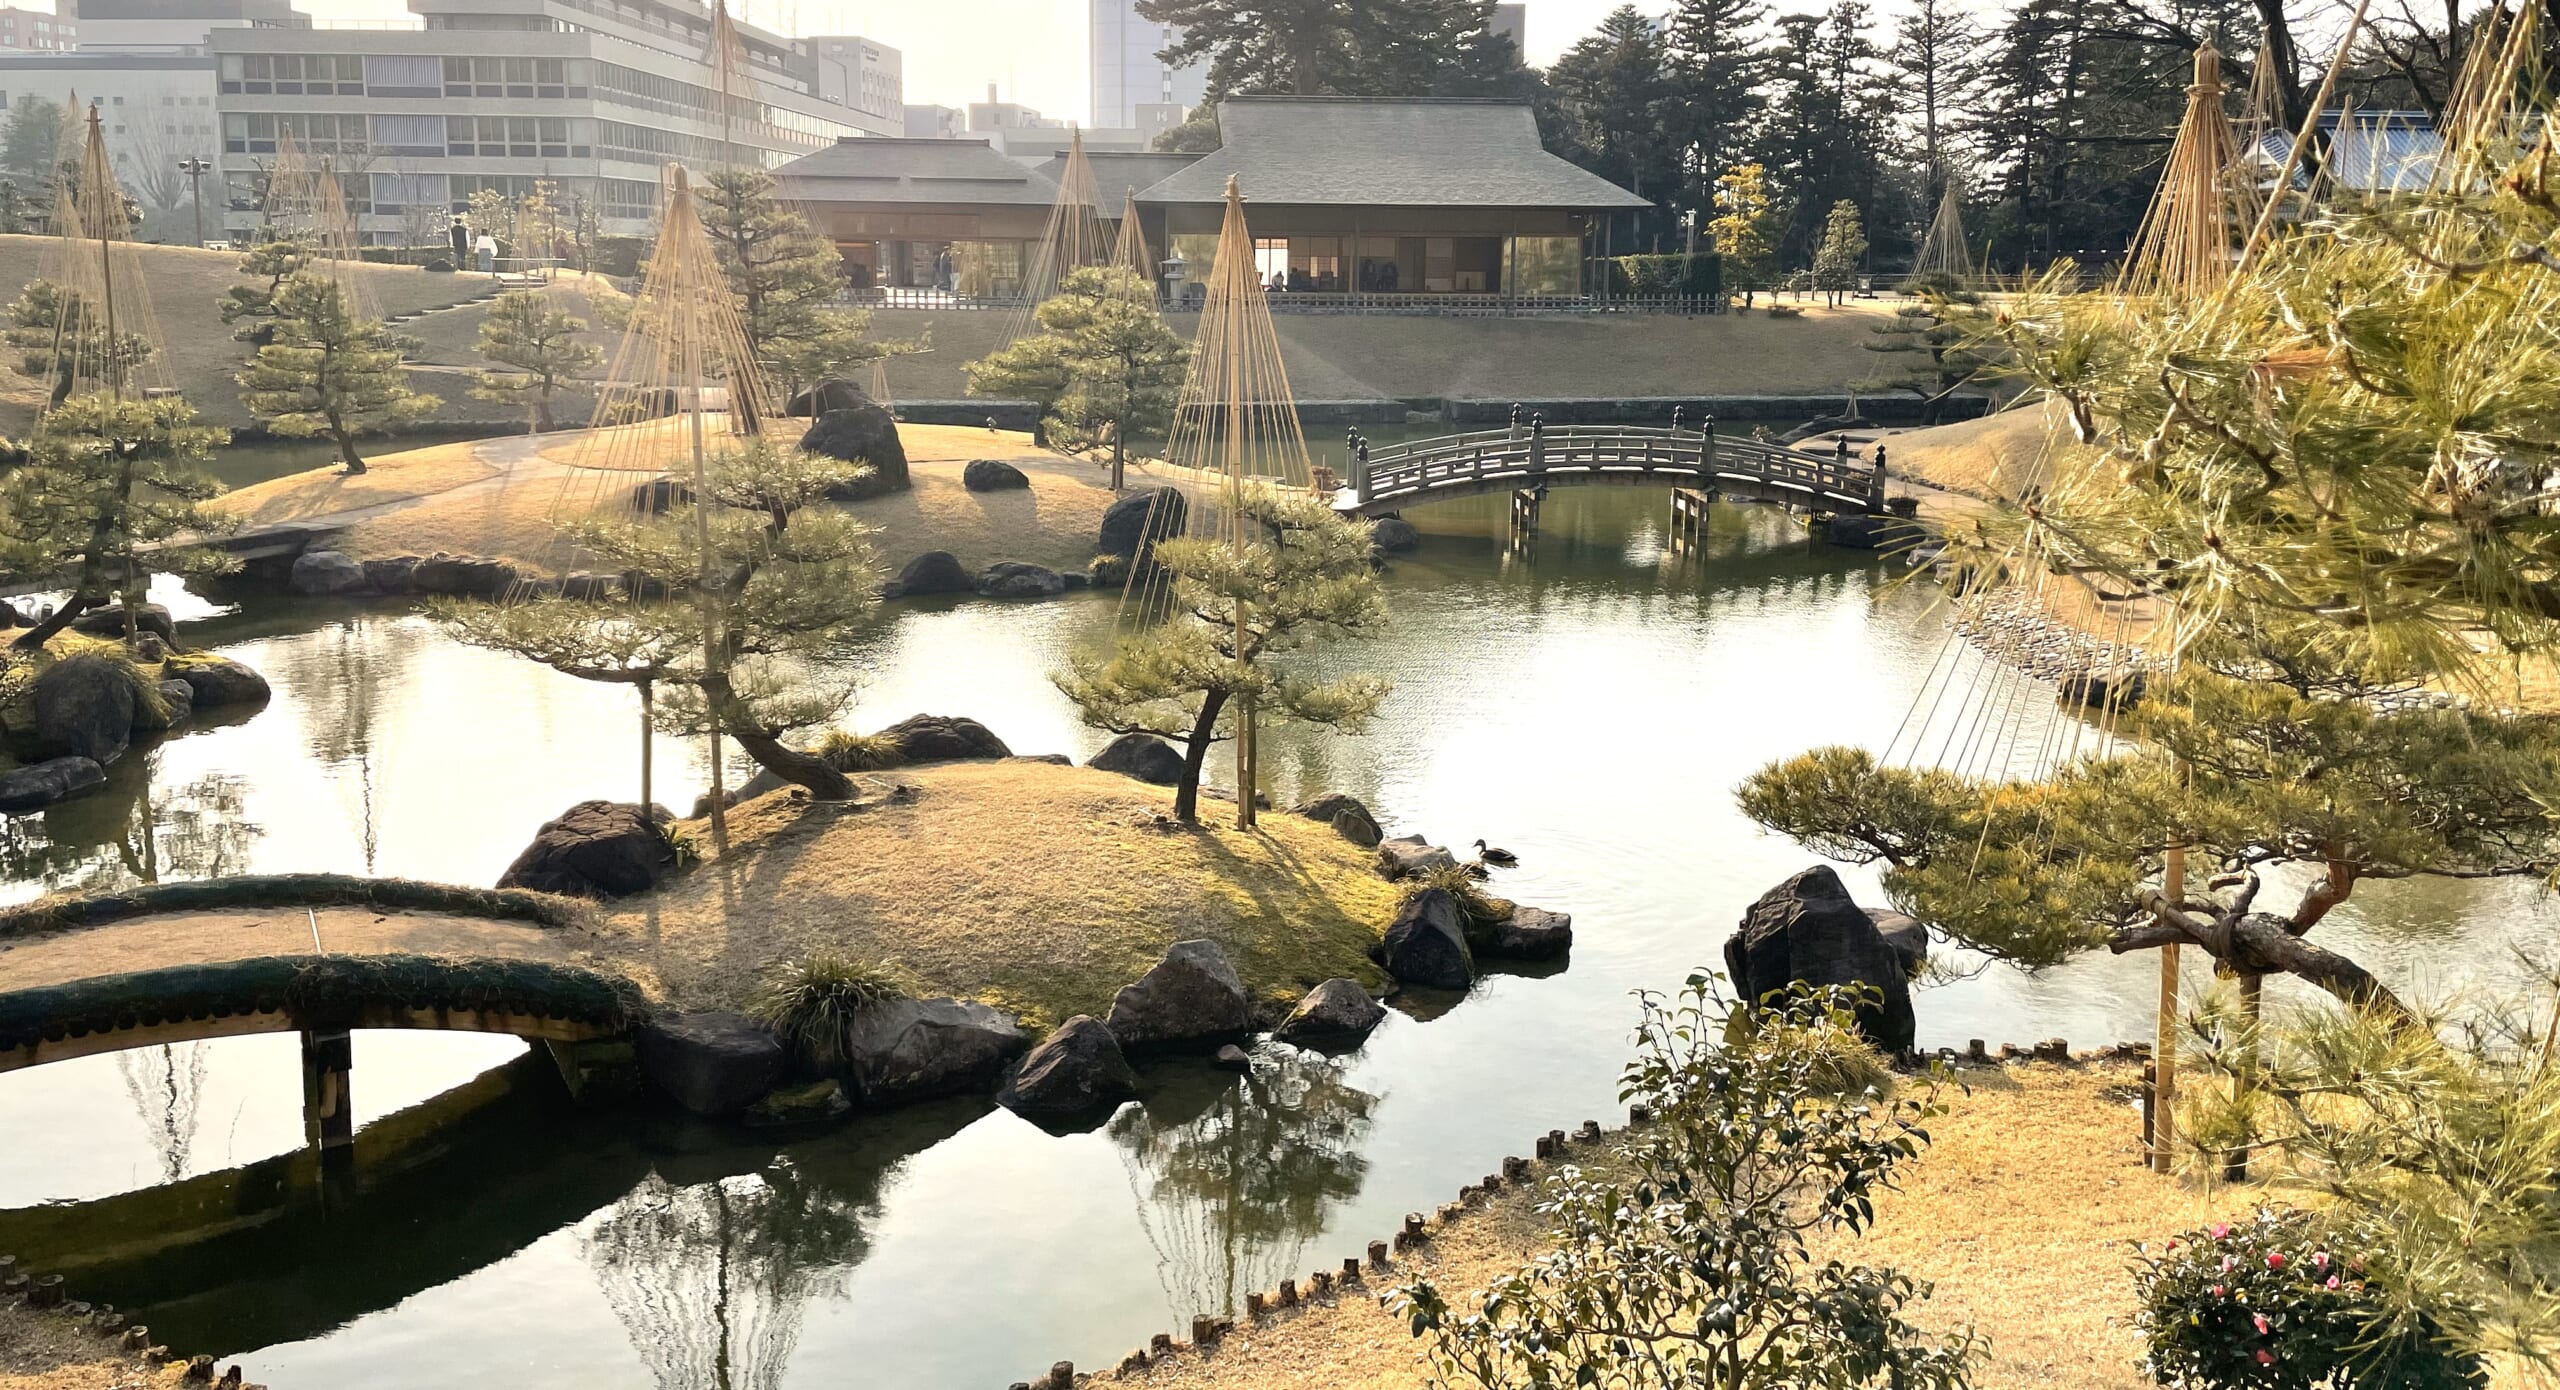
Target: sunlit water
[(1591, 708)]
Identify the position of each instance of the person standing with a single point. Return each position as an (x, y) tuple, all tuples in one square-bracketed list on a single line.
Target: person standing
[(487, 249)]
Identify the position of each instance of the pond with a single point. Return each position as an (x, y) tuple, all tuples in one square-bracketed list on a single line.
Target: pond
[(1590, 706)]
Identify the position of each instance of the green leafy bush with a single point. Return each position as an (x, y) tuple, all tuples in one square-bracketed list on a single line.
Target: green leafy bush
[(813, 1003), (1700, 276), (2269, 1304)]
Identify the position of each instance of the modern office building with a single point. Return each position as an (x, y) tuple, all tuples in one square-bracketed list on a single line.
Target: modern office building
[(594, 97), (937, 122), (1127, 74), (993, 114), (876, 71), (156, 109), (37, 31), (177, 26)]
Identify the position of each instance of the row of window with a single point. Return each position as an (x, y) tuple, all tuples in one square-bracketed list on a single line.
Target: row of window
[(411, 137), (436, 195)]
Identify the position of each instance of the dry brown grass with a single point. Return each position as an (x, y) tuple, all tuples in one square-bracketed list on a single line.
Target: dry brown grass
[(47, 1351), (202, 355), (1995, 457), (1036, 888), (392, 478), (2023, 1210)]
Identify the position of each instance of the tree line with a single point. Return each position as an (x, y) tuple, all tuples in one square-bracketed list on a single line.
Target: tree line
[(2052, 117)]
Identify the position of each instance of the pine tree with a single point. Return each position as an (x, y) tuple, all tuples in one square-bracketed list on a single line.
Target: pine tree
[(1305, 575), (272, 262), (109, 485), (1717, 55), (32, 143), (1745, 231), (1934, 346), (1614, 92), (1933, 51), (785, 278), (1844, 247), (1104, 367), (55, 339), (542, 343), (328, 371), (736, 636), (1341, 47)]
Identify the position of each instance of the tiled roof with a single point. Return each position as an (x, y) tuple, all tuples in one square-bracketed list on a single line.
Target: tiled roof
[(889, 170), (1416, 152)]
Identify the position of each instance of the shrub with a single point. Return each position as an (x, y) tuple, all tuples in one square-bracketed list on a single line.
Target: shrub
[(1481, 909), (1109, 571), (846, 751), (1688, 1261), (2265, 1304), (812, 1004), (1700, 276)]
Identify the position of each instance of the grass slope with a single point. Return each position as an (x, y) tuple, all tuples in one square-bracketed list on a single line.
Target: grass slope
[(203, 356), (1354, 358), (1039, 889), (2022, 1210)]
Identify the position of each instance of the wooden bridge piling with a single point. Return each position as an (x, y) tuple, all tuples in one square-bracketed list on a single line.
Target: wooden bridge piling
[(328, 1115)]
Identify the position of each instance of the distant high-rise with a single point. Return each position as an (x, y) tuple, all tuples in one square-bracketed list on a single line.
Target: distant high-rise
[(1126, 72)]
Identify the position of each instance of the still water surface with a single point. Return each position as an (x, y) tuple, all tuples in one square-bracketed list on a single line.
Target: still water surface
[(1590, 707)]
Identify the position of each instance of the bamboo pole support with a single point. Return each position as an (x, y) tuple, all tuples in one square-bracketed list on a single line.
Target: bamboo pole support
[(2164, 1048)]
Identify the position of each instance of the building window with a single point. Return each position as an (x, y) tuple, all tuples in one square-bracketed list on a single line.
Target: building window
[(388, 75)]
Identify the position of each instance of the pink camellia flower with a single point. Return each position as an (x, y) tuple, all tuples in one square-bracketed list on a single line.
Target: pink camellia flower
[(2333, 1282), (2219, 1230), (2275, 1259), (2227, 1263), (2264, 1359), (2264, 1327), (2216, 1291), (2320, 1259)]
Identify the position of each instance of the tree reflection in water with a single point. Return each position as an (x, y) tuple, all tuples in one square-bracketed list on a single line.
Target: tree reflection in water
[(129, 832), (165, 1083), (1233, 1176), (711, 1281)]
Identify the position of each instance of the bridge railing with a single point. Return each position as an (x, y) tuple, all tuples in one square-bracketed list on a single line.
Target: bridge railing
[(1427, 465)]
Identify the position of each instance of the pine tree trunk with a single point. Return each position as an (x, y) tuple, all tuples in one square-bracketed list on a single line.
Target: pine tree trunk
[(1204, 731), (790, 764), (354, 463)]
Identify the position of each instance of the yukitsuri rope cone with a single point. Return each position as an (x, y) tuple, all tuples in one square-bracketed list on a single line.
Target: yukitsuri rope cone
[(108, 338), (1076, 237), (2190, 236)]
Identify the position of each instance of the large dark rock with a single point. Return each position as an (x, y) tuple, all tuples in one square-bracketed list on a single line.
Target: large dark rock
[(2117, 688), (462, 576), (861, 433), (24, 789), (830, 393), (10, 616), (1349, 818), (392, 574), (1136, 522), (85, 708), (219, 680), (1393, 533), (1408, 856), (1807, 930), (909, 1049), (1427, 943), (596, 849), (992, 475), (712, 1063), (936, 738), (1908, 938), (1337, 1013), (109, 622), (1014, 579), (933, 572), (1193, 995), (317, 572), (1078, 1073), (177, 701), (1143, 756), (1861, 531), (814, 1103), (1529, 933)]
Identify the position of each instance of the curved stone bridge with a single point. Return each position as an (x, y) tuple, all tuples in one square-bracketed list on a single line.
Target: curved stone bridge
[(1531, 459)]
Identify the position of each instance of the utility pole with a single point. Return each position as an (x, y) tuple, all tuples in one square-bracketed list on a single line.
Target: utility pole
[(195, 170)]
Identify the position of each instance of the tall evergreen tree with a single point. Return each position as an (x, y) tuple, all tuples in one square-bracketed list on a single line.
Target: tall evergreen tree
[(32, 141), (1614, 94), (1933, 52), (1844, 247), (1105, 365), (329, 371), (1717, 50), (1342, 47), (1828, 131)]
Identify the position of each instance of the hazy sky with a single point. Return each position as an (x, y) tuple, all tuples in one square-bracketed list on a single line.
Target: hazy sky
[(1034, 50)]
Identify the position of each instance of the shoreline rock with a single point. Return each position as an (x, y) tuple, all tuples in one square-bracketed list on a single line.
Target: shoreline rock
[(1078, 1073)]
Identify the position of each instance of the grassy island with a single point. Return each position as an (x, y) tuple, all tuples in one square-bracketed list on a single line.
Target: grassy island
[(1036, 888)]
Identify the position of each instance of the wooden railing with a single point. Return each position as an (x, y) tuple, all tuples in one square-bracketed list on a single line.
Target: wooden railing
[(1524, 456), (1325, 302)]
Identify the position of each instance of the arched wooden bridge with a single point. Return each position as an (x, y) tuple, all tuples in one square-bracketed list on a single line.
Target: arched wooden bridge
[(1526, 458)]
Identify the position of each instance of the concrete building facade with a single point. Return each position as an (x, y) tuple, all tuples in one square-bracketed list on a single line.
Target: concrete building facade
[(875, 71), (37, 31), (1128, 75), (594, 97), (157, 109), (177, 26)]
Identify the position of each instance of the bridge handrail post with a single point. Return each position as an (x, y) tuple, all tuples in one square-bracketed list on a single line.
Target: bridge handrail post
[(1876, 481)]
